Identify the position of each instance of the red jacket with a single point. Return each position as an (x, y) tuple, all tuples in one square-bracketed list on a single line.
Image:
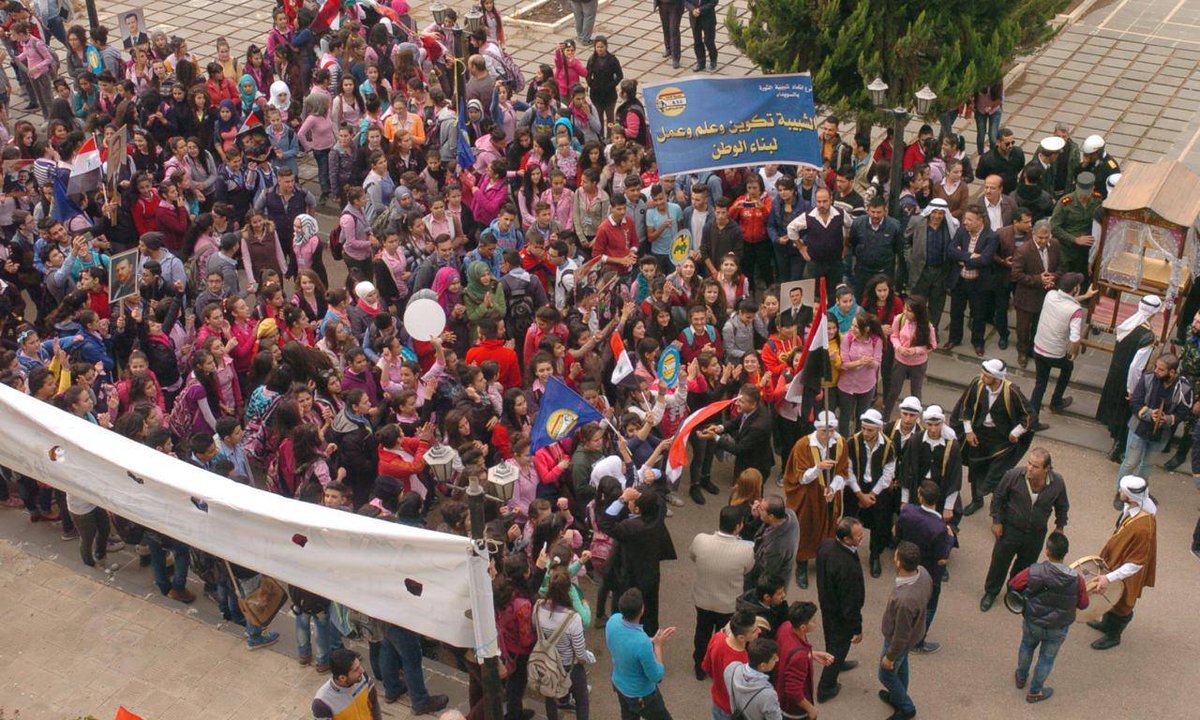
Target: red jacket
[(691, 343), (172, 222), (393, 464), (506, 358), (145, 213), (615, 242), (752, 216), (224, 90)]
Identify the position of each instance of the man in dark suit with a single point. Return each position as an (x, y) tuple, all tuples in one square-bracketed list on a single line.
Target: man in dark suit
[(1034, 273), (643, 542), (998, 208), (972, 255), (841, 592), (1014, 234), (748, 438)]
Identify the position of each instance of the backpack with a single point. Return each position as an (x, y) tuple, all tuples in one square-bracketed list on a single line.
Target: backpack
[(519, 317), (381, 222), (182, 417), (335, 241), (191, 271), (546, 672), (510, 71), (740, 713)]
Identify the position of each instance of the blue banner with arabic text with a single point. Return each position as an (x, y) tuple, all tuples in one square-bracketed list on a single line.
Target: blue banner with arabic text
[(706, 123)]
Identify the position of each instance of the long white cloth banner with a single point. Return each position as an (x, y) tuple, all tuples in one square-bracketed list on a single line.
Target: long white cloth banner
[(429, 582)]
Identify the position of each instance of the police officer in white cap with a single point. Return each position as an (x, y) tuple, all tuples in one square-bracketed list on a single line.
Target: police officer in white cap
[(1066, 167), (872, 477), (1047, 158), (994, 417), (1096, 160)]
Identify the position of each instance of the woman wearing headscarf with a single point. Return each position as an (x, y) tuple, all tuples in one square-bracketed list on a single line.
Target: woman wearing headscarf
[(249, 98), (226, 127), (367, 305), (443, 284), (483, 296), (306, 244), (281, 100)]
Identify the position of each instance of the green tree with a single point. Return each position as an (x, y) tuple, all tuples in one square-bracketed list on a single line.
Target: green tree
[(955, 46)]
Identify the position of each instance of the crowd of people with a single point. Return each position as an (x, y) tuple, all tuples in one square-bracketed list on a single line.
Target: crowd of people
[(266, 344)]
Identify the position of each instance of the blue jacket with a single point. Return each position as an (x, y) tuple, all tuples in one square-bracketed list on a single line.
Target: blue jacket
[(91, 348)]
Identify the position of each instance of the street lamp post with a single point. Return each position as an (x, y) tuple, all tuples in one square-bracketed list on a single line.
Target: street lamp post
[(923, 100)]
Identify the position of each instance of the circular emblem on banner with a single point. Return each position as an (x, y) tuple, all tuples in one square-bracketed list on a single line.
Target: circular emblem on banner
[(681, 247), (670, 101), (668, 366), (560, 424)]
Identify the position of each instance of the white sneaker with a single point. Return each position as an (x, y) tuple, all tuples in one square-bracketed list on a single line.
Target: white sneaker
[(673, 499)]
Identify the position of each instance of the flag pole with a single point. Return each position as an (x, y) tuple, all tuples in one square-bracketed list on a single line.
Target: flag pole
[(825, 366), (103, 186)]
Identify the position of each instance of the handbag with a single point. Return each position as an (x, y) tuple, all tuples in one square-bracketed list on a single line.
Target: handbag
[(261, 605)]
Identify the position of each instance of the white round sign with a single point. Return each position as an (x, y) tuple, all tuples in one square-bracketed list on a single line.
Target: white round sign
[(424, 319)]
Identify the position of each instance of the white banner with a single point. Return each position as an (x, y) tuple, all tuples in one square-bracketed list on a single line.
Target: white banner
[(429, 582)]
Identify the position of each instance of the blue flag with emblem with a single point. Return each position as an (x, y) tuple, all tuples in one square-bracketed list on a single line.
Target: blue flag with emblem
[(561, 413), (466, 158)]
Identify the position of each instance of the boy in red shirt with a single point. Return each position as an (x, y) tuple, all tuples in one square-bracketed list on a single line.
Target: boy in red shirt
[(794, 673), (725, 647), (698, 335), (491, 347)]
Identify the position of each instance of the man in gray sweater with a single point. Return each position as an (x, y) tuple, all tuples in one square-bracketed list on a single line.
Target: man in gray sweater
[(903, 628), (776, 542), (722, 560), (750, 688)]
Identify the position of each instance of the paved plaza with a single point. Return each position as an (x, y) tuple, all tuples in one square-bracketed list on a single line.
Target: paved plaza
[(77, 642)]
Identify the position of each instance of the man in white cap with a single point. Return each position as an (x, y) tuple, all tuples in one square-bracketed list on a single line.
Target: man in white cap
[(1131, 552), (1160, 399), (1135, 342), (901, 431), (928, 239), (872, 477), (1071, 223), (994, 417), (1047, 157), (1096, 160), (813, 480)]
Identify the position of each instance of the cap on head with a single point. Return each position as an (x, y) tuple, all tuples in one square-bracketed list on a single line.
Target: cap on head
[(1085, 181), (1052, 144), (1094, 143)]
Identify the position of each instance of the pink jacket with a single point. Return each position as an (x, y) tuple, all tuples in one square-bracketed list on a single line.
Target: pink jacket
[(560, 211), (567, 73), (902, 336)]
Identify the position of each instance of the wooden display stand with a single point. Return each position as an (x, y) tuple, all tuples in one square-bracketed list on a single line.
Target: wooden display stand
[(1146, 245)]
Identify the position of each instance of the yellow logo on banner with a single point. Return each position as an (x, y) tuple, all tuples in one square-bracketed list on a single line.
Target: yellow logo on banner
[(681, 247), (560, 424), (670, 101)]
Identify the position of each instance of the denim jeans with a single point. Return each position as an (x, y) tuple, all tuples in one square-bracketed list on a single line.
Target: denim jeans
[(1137, 453), (322, 158), (401, 652), (895, 681), (326, 636), (931, 608), (987, 126), (227, 602), (578, 693), (1050, 640), (158, 561), (719, 714), (650, 707)]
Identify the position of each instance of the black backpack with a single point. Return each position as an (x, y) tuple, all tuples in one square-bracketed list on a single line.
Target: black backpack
[(519, 316)]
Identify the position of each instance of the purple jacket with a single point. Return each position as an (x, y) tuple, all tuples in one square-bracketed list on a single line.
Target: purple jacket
[(927, 531)]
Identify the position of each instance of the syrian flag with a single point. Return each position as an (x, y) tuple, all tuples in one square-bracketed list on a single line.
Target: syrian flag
[(326, 15), (677, 459), (814, 361), (251, 123), (624, 367), (85, 168)]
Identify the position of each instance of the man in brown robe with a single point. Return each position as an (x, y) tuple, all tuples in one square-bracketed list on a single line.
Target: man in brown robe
[(813, 480), (1131, 553)]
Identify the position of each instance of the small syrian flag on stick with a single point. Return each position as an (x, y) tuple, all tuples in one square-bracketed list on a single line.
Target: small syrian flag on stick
[(251, 123), (624, 366), (85, 168), (814, 362)]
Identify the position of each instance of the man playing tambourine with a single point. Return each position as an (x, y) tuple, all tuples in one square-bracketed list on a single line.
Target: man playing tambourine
[(1130, 551)]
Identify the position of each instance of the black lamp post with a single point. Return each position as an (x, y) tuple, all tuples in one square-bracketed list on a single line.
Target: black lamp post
[(923, 99)]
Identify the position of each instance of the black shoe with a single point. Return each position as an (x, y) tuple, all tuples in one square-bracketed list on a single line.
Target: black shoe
[(876, 568), (1174, 462), (697, 495), (902, 715), (435, 703), (972, 508), (945, 575), (1117, 452), (710, 487), (31, 106), (985, 603), (712, 67), (978, 351), (698, 67), (675, 64), (1038, 426), (1196, 552), (949, 347), (700, 674), (1003, 343), (1117, 502), (886, 696), (1066, 403), (848, 665), (802, 575), (1110, 640), (824, 696)]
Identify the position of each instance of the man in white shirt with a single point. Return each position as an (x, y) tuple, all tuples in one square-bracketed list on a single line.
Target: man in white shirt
[(1060, 329)]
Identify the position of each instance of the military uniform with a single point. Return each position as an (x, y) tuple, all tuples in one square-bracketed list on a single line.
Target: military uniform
[(1065, 168), (1072, 218)]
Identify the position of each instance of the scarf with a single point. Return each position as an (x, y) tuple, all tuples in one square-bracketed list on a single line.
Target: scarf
[(224, 126), (278, 88), (396, 264), (248, 97), (308, 229), (441, 285), (475, 289)]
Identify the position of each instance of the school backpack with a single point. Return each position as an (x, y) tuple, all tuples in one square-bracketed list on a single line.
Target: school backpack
[(191, 271), (510, 71), (519, 316), (546, 672), (181, 419)]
